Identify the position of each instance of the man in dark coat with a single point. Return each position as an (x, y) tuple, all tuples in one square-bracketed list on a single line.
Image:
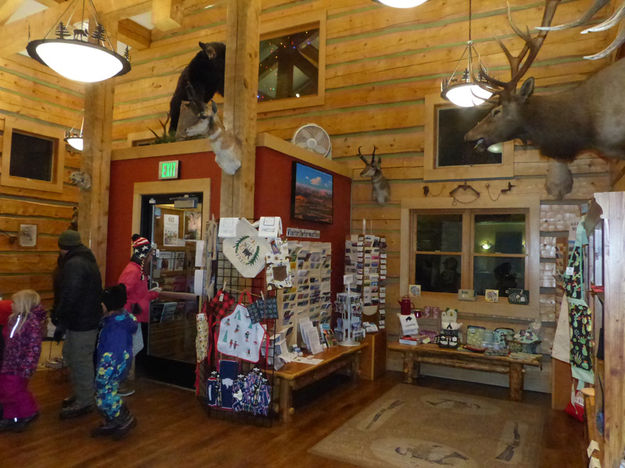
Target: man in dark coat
[(77, 312)]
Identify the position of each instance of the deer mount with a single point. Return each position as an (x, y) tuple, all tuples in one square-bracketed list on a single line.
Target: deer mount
[(587, 118), (380, 188)]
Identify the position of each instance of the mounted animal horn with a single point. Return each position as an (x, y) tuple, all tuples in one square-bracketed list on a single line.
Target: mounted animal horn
[(380, 188)]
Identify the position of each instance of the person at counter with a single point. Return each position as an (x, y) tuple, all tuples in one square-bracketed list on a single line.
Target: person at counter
[(138, 297)]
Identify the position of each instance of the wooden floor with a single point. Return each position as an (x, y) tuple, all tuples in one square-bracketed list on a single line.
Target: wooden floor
[(175, 431)]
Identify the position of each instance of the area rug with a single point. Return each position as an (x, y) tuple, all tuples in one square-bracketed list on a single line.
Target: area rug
[(413, 426)]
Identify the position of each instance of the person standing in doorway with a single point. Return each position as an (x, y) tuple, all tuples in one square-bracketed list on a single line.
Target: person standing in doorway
[(76, 313), (139, 295)]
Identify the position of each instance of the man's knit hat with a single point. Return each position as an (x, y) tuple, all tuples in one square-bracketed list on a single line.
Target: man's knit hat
[(114, 298), (69, 239), (140, 246)]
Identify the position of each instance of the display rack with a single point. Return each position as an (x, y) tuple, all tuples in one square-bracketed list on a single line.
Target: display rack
[(310, 297), (213, 377), (365, 258)]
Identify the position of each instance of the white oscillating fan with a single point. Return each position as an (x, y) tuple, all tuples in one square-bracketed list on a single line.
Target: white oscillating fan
[(313, 138)]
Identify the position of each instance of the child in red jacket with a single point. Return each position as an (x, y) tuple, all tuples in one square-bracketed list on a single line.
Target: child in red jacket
[(22, 336)]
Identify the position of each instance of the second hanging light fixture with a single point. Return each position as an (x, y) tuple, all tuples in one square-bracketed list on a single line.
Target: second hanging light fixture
[(461, 88)]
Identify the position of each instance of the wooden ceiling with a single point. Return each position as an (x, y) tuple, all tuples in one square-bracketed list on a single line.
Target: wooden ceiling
[(165, 16)]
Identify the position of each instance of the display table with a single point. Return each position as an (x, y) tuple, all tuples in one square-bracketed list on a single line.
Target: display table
[(295, 375), (433, 354)]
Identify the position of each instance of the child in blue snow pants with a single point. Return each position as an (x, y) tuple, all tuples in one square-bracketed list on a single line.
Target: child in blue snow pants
[(114, 356)]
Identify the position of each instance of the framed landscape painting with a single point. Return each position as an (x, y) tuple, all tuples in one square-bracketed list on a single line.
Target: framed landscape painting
[(311, 194)]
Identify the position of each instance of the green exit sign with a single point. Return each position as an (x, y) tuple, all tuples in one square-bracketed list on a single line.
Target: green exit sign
[(168, 169)]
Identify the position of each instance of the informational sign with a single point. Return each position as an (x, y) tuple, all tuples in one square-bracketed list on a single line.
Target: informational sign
[(306, 233), (168, 170)]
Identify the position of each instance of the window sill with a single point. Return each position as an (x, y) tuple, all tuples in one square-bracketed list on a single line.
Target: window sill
[(501, 309)]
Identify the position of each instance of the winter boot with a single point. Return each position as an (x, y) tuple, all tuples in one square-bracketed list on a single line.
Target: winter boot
[(125, 422), (21, 424), (70, 400), (108, 427)]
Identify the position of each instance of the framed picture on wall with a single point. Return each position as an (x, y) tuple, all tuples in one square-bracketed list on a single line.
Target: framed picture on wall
[(28, 235), (311, 194)]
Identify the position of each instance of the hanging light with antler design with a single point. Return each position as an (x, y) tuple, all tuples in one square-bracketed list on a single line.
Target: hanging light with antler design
[(463, 88), (401, 3), (73, 137), (87, 56)]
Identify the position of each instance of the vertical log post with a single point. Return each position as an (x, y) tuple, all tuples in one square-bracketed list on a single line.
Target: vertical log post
[(96, 161), (613, 205), (237, 191)]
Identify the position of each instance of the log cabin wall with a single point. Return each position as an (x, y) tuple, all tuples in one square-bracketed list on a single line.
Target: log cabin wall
[(381, 63), (36, 95)]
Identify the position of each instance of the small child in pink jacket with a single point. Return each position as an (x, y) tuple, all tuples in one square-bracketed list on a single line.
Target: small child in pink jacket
[(22, 337)]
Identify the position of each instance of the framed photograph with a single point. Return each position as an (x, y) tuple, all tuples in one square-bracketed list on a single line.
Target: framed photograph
[(414, 290), (311, 194), (447, 155), (491, 295), (28, 235)]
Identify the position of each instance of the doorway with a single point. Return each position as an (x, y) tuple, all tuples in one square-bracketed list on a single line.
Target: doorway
[(172, 219)]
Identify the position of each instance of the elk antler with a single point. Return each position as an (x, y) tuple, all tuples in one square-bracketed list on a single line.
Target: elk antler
[(611, 21), (618, 40), (598, 5), (520, 63)]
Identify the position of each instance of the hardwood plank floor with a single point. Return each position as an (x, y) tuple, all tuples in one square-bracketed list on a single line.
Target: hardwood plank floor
[(175, 431)]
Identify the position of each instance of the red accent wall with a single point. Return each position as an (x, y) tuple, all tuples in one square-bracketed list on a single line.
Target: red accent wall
[(123, 176), (272, 197)]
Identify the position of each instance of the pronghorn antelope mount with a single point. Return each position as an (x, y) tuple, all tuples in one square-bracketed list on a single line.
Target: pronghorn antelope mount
[(589, 117), (198, 120), (380, 188)]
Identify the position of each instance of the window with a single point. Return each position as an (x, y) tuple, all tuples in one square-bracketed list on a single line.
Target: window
[(32, 156), (291, 69), (488, 245), (288, 66), (448, 156), (493, 248)]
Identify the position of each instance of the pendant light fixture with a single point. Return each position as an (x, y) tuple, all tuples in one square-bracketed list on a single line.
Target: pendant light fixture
[(88, 56), (461, 88), (73, 137), (402, 3)]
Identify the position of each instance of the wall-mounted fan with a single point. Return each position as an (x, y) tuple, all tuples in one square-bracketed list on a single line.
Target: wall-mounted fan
[(313, 138)]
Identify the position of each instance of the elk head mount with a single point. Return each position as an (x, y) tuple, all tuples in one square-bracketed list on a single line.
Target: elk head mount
[(380, 188), (588, 117)]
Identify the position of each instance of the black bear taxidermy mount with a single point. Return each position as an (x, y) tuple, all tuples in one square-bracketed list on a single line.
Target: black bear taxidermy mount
[(205, 73)]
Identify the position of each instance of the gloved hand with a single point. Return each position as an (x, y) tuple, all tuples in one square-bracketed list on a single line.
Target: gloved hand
[(58, 334)]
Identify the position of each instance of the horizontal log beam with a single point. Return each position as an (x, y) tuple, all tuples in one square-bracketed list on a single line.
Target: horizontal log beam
[(133, 34)]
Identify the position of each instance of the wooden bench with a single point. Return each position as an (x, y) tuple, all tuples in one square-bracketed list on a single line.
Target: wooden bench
[(433, 354), (295, 375)]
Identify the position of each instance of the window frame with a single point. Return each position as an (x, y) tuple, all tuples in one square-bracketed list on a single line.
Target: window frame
[(444, 205), (434, 102), (12, 124), (281, 27)]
